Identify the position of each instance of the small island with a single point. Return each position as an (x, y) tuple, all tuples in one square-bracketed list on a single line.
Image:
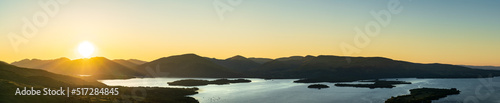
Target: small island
[(194, 82), (376, 84), (318, 86), (423, 95)]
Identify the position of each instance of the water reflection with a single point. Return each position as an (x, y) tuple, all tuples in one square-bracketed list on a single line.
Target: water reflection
[(285, 91)]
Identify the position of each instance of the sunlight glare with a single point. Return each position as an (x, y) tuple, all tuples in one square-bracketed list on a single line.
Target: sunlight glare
[(86, 49)]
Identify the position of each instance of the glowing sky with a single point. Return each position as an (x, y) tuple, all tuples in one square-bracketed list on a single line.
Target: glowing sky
[(426, 31)]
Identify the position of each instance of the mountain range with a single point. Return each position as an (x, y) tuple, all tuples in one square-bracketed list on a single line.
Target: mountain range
[(323, 68), (237, 63), (97, 67), (190, 65)]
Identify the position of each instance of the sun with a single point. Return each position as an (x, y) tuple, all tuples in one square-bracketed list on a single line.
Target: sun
[(86, 49)]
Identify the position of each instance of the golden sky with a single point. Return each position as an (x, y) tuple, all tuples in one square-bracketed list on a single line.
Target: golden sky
[(423, 32)]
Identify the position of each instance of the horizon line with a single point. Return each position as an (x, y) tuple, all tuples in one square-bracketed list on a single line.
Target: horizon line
[(247, 57)]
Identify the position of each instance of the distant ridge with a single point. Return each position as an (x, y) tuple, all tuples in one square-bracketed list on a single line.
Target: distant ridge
[(237, 63), (260, 60), (322, 68), (483, 67), (189, 65), (325, 68), (137, 61), (37, 63), (238, 58), (97, 67), (130, 63)]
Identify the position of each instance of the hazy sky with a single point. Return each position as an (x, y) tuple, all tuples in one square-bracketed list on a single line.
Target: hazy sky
[(425, 31)]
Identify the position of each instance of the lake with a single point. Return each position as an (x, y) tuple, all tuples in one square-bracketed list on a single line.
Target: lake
[(474, 90)]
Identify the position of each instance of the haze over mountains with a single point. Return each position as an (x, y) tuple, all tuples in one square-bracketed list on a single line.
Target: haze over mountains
[(35, 77), (130, 63), (323, 68), (98, 67)]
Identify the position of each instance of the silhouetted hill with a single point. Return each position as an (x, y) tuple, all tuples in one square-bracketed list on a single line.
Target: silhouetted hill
[(37, 63), (483, 67), (37, 77), (260, 60), (238, 63), (336, 69), (137, 61), (282, 64), (12, 78), (323, 68), (97, 67), (189, 65), (131, 63)]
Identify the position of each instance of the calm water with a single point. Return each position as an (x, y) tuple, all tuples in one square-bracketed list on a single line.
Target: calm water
[(477, 90)]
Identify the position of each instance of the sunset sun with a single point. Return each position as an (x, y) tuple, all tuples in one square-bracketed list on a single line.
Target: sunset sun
[(86, 49)]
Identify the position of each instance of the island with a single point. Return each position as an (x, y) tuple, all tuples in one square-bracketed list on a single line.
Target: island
[(194, 82), (423, 95), (376, 84), (318, 86)]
